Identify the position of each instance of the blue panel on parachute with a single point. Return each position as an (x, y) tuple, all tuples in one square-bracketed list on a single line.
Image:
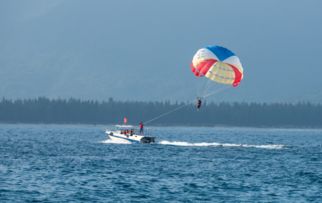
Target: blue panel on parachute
[(221, 52)]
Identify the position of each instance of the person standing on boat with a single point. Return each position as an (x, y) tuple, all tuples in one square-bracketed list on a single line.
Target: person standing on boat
[(141, 127)]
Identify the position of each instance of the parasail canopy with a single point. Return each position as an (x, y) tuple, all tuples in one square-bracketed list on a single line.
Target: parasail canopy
[(218, 64)]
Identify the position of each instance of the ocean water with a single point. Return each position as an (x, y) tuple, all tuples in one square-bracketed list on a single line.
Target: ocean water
[(75, 163)]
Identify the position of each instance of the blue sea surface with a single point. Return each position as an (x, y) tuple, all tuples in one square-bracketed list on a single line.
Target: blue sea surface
[(75, 163)]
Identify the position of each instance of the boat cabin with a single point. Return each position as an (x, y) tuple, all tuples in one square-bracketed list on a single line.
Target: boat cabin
[(127, 132)]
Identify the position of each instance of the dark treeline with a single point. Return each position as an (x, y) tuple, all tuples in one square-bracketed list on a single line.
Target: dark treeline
[(43, 110)]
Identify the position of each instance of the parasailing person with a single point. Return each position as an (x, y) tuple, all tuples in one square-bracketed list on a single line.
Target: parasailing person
[(198, 103)]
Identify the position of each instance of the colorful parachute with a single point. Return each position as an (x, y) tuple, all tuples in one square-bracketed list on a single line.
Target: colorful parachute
[(218, 64)]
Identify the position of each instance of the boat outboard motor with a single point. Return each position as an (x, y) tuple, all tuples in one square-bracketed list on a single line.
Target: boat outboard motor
[(146, 140)]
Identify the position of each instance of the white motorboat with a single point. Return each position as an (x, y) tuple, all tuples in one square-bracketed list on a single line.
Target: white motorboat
[(127, 134)]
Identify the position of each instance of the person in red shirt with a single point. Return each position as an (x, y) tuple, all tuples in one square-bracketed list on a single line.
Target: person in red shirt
[(141, 127)]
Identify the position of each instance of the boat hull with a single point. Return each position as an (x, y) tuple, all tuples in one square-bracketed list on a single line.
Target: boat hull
[(117, 136), (117, 139)]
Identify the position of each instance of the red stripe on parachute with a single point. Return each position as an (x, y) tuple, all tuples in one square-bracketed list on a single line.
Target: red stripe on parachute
[(203, 67), (238, 75)]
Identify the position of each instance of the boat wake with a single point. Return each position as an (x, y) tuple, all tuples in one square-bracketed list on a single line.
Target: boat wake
[(202, 144), (216, 144)]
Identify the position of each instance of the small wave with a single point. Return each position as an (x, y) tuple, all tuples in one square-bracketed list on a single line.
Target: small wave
[(109, 141), (216, 144)]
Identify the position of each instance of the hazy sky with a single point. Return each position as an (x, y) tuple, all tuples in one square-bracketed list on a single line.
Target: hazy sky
[(142, 49)]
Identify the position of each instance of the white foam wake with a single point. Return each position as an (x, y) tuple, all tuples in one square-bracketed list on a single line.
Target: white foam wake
[(216, 144), (109, 141)]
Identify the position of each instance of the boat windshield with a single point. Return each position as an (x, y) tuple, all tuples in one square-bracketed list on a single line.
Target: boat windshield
[(124, 126)]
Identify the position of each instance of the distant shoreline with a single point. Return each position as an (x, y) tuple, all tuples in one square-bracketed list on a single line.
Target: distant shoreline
[(75, 111), (169, 126)]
